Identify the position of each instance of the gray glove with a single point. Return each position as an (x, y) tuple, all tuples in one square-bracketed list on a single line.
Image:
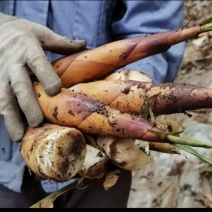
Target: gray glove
[(22, 45)]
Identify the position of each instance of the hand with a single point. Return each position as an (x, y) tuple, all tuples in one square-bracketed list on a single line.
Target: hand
[(22, 45)]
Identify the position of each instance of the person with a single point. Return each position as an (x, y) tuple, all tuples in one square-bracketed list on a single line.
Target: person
[(34, 33)]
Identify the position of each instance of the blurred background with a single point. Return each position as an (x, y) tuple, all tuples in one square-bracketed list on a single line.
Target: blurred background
[(183, 181)]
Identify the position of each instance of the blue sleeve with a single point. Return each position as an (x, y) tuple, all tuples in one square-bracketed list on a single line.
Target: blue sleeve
[(149, 17)]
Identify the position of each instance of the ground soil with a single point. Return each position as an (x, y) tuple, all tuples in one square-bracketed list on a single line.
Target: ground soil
[(183, 181)]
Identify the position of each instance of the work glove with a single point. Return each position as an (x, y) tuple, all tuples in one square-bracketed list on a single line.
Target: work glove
[(22, 46)]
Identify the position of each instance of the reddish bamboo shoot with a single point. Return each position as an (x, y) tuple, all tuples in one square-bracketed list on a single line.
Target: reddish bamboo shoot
[(90, 116), (130, 95), (97, 63)]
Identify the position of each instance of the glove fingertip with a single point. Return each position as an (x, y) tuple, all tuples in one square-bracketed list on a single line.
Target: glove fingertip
[(78, 45), (79, 42), (53, 88), (15, 126), (37, 119), (17, 135), (63, 45)]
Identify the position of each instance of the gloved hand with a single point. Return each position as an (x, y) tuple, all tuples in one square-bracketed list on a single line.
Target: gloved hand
[(22, 45)]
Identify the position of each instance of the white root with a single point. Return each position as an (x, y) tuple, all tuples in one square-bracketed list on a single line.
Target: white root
[(129, 75), (54, 152), (128, 154), (95, 163)]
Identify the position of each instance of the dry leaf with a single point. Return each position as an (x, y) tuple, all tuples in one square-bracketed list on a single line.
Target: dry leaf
[(110, 180)]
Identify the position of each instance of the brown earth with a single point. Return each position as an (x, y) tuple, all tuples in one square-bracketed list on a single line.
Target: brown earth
[(183, 181)]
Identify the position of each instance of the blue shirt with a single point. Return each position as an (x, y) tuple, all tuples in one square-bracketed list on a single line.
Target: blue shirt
[(97, 22)]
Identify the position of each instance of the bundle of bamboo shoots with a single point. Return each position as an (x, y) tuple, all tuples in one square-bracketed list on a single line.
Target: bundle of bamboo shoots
[(101, 117)]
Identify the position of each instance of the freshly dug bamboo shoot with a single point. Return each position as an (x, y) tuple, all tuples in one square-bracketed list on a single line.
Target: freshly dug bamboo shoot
[(90, 116), (54, 152), (97, 63), (130, 95), (95, 163)]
